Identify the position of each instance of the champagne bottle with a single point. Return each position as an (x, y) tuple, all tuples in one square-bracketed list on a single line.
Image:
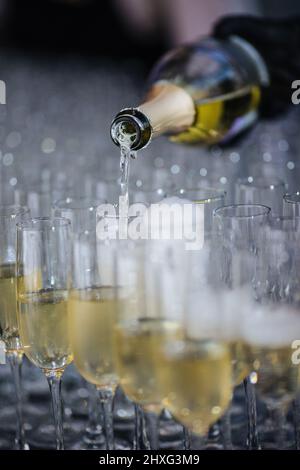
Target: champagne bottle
[(206, 92)]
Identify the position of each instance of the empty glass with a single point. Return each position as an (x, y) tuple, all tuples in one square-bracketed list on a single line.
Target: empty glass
[(209, 198), (261, 190), (237, 237), (133, 359)]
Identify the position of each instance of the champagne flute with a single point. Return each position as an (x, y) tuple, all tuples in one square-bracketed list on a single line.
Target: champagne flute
[(237, 229), (137, 327), (43, 282), (9, 217), (92, 312), (291, 204), (81, 211), (193, 367)]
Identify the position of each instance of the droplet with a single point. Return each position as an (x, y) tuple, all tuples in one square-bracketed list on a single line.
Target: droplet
[(8, 159), (290, 165), (267, 157), (48, 145), (234, 157), (216, 151), (13, 181), (175, 169), (13, 139), (283, 145)]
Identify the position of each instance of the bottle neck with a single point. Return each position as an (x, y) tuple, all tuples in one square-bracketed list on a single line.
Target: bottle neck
[(168, 109), (132, 128)]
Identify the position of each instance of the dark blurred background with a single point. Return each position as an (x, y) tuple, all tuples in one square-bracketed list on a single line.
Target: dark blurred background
[(135, 28)]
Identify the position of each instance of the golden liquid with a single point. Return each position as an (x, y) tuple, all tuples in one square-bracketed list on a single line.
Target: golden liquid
[(239, 360), (195, 377), (216, 117), (8, 308), (278, 379), (92, 316), (137, 345), (43, 323)]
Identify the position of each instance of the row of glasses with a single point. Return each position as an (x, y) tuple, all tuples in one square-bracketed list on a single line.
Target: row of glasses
[(243, 224), (238, 217), (61, 316), (168, 345), (92, 302), (93, 312), (138, 385), (237, 225), (238, 263), (42, 259)]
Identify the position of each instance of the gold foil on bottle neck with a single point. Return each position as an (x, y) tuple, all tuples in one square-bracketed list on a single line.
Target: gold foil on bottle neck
[(169, 108)]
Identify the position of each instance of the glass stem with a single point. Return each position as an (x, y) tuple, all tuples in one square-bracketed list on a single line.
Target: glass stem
[(186, 439), (94, 432), (296, 418), (15, 361), (152, 423), (279, 425), (225, 423), (106, 398), (137, 428), (54, 381), (252, 436), (141, 436), (215, 439)]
